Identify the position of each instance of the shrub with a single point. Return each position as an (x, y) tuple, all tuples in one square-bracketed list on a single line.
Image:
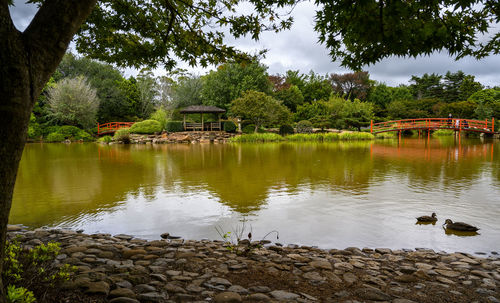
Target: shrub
[(249, 129), (122, 135), (31, 272), (268, 137), (83, 135), (19, 295), (304, 127), (55, 137), (69, 131), (105, 139), (286, 129), (161, 116), (146, 127), (174, 126), (229, 126)]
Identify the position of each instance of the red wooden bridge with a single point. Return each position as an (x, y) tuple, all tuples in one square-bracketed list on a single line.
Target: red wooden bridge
[(111, 127), (480, 126)]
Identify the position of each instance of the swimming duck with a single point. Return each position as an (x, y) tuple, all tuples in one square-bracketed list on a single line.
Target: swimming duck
[(432, 218), (460, 226)]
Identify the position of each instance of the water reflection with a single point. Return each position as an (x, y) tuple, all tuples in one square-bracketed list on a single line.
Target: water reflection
[(333, 195)]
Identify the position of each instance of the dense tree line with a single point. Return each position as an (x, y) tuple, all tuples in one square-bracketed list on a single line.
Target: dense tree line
[(83, 92)]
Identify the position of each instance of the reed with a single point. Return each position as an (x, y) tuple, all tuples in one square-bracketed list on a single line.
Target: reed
[(318, 137), (257, 137), (443, 132)]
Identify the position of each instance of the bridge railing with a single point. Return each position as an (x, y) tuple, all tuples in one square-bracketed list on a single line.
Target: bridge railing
[(112, 126), (434, 123)]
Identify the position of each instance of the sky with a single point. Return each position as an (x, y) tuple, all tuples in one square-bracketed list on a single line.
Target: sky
[(299, 49)]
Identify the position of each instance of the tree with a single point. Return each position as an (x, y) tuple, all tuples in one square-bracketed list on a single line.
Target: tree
[(316, 87), (364, 32), (351, 85), (488, 103), (148, 92), (137, 33), (459, 86), (260, 108), (73, 102), (117, 102), (427, 86), (291, 97), (187, 91), (230, 80)]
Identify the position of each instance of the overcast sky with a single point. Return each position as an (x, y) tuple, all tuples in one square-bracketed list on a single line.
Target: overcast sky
[(298, 49)]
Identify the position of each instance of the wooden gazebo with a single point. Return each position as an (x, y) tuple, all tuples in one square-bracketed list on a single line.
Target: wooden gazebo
[(202, 109)]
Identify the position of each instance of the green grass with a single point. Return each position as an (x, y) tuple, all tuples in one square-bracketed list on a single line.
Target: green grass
[(443, 132), (105, 139), (387, 135), (269, 137), (319, 137), (356, 136)]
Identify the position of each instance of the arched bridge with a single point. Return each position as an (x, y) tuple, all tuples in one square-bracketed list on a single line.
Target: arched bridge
[(111, 127), (480, 126)]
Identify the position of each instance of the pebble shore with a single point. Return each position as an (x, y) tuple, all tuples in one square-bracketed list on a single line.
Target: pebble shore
[(124, 269)]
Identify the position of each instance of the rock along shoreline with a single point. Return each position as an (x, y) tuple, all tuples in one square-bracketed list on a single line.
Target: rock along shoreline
[(124, 269)]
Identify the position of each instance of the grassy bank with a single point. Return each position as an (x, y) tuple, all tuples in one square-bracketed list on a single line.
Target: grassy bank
[(319, 137)]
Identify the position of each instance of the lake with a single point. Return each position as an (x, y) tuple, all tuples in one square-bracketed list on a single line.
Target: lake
[(331, 195)]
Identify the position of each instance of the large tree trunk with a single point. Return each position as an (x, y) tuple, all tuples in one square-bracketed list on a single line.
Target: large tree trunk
[(27, 60)]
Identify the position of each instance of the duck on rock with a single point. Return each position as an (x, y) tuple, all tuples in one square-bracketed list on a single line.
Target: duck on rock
[(431, 218), (460, 226)]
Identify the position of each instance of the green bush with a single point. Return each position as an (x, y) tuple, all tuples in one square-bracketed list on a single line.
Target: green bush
[(105, 139), (122, 135), (229, 126), (286, 129), (19, 295), (161, 116), (304, 127), (83, 135), (32, 272), (249, 129), (69, 131), (174, 126), (55, 137), (146, 127)]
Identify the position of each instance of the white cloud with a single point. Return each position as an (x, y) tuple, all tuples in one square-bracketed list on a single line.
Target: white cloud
[(298, 49)]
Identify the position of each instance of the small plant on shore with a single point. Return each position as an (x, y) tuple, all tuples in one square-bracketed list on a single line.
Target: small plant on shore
[(304, 127), (105, 139), (122, 135), (19, 295), (235, 242), (32, 272)]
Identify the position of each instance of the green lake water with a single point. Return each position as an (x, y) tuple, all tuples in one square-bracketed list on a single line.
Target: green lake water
[(331, 195)]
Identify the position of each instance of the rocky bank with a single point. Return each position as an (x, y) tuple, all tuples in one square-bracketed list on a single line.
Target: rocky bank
[(123, 269), (182, 137)]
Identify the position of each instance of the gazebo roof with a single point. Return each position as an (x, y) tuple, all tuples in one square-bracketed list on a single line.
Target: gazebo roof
[(202, 109)]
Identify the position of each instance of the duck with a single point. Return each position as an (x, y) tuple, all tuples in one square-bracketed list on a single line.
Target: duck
[(459, 226), (431, 218)]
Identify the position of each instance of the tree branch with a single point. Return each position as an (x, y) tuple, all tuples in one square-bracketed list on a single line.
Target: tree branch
[(50, 32)]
